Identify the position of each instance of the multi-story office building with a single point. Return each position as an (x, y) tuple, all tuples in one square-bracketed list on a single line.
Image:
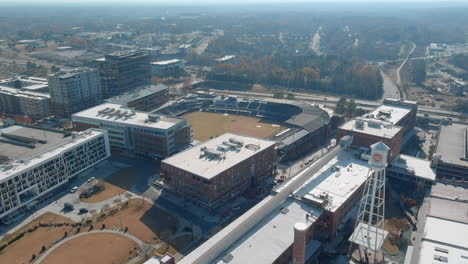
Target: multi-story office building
[(33, 104), (451, 158), (124, 71), (73, 91), (137, 132), (36, 161), (143, 99), (219, 169)]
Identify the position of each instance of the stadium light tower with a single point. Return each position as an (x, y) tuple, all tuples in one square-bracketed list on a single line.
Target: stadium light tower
[(369, 233)]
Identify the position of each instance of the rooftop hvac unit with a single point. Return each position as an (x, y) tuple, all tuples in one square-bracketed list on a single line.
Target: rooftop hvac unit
[(153, 118), (374, 124), (323, 195), (359, 123), (236, 141), (213, 154)]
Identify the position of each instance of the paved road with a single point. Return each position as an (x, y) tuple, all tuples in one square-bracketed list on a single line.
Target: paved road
[(54, 247), (403, 95), (390, 90)]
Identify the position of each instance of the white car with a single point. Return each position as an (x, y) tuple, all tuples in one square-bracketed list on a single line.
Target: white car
[(91, 179), (74, 189)]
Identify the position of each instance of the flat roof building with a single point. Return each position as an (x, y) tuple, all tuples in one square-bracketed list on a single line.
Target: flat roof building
[(451, 158), (442, 232), (139, 132), (36, 161), (74, 90), (389, 123), (411, 169), (17, 101), (123, 71), (32, 84), (219, 169), (227, 59), (144, 98), (300, 214)]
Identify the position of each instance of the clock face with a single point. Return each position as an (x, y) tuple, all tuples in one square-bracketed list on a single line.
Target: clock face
[(377, 157)]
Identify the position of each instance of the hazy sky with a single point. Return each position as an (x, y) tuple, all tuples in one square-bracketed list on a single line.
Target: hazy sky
[(216, 1)]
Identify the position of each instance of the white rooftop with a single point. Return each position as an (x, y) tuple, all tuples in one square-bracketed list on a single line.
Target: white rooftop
[(339, 178), (125, 116), (444, 238), (208, 166), (372, 127), (17, 166), (225, 58), (23, 93), (264, 243), (390, 113), (166, 62), (420, 167)]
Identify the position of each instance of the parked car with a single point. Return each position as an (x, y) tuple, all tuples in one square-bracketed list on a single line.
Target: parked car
[(74, 189), (91, 179), (83, 210)]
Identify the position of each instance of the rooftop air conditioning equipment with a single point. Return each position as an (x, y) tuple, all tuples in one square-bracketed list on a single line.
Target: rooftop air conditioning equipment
[(323, 195)]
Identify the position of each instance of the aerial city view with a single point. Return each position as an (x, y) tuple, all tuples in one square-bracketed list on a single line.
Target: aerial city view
[(233, 132)]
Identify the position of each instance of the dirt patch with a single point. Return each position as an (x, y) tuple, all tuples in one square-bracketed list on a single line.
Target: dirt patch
[(143, 220), (117, 183), (206, 125), (95, 248), (22, 250)]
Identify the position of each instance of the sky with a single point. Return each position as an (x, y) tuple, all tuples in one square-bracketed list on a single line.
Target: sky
[(218, 1)]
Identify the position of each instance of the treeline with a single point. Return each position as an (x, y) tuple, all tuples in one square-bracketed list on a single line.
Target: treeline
[(330, 74), (461, 61)]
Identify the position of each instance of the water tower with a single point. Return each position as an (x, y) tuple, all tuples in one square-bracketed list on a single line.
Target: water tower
[(369, 233)]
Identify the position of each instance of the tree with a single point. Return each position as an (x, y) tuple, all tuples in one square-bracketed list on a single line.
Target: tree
[(351, 107), (54, 68), (290, 96), (341, 106), (278, 95)]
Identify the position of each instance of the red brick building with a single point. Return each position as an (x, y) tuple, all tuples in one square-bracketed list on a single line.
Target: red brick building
[(219, 169), (389, 123)]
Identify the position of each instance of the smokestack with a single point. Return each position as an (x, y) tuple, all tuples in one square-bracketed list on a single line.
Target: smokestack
[(299, 246)]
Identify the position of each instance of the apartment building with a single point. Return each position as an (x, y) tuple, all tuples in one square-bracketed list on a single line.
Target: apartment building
[(74, 90), (38, 161), (33, 104)]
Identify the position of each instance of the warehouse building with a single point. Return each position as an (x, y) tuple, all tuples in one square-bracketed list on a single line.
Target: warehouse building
[(36, 161), (143, 99), (136, 132), (219, 169)]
